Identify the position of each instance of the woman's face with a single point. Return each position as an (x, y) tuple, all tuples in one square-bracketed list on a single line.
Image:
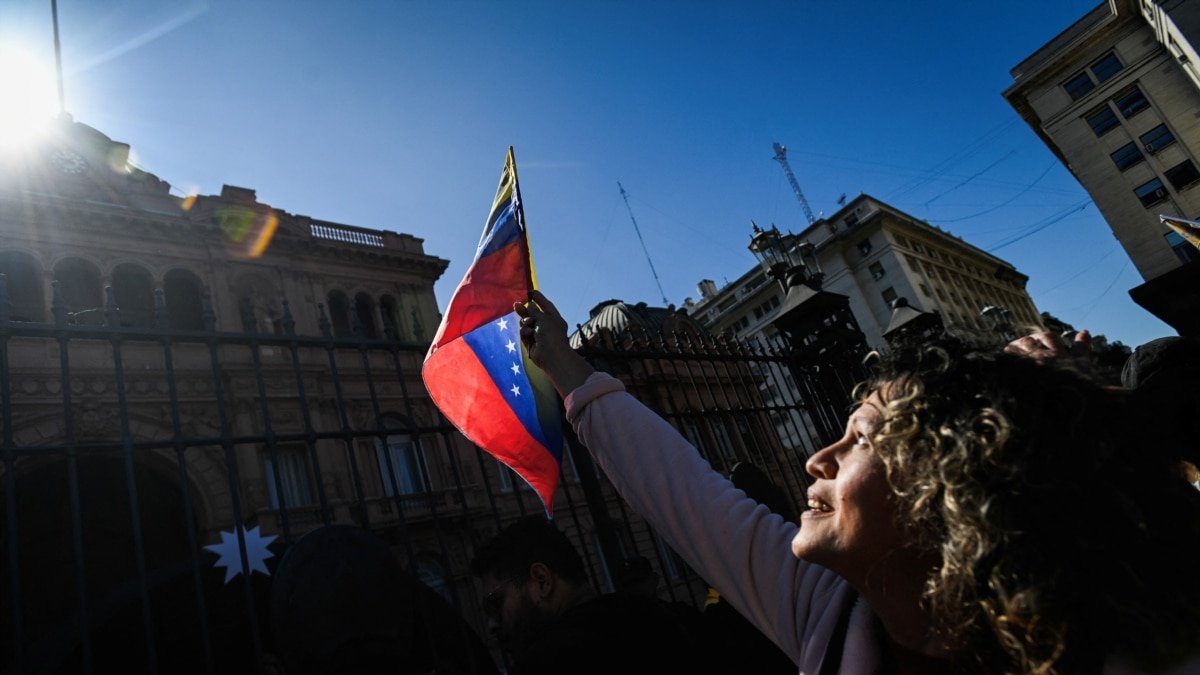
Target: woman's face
[(850, 524)]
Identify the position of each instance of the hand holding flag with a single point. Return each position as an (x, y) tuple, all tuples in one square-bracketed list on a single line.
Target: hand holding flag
[(477, 371)]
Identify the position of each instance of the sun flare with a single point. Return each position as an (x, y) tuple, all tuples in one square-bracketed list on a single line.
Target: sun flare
[(28, 91)]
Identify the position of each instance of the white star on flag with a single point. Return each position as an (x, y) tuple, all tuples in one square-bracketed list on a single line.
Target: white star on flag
[(516, 369), (515, 390), (512, 346), (503, 324)]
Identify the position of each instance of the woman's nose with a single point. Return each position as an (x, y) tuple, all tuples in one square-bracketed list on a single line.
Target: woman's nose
[(822, 463)]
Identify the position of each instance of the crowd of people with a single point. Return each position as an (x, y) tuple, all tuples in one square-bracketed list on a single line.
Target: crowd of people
[(986, 510)]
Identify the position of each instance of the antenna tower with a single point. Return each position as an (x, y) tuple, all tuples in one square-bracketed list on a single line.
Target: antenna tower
[(781, 157), (639, 236)]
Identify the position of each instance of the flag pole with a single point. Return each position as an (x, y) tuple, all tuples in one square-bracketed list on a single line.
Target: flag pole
[(62, 106)]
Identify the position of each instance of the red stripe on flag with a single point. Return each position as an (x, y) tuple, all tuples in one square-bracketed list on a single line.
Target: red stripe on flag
[(462, 389), (487, 292)]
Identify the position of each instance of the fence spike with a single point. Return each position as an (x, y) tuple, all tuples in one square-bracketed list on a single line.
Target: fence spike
[(246, 312), (206, 312), (160, 309), (58, 306), (323, 321)]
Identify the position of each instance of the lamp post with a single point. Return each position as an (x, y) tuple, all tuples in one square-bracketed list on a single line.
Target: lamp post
[(1000, 319), (826, 342)]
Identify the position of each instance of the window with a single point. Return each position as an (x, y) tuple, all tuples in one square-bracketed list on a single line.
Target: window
[(1079, 85), (864, 246), (291, 462), (925, 290), (1182, 247), (185, 304), (1102, 120), (79, 282), (339, 313), (1183, 174), (1131, 102), (134, 294), (850, 220), (364, 309), (889, 294), (1157, 138), (1151, 192), (407, 466), (25, 281), (390, 311), (1126, 156), (876, 270), (1106, 67)]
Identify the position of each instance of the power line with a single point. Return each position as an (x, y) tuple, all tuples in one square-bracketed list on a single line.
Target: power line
[(1014, 198), (1038, 227), (643, 242)]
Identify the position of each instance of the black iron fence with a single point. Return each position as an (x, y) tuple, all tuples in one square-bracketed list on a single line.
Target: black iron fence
[(155, 480)]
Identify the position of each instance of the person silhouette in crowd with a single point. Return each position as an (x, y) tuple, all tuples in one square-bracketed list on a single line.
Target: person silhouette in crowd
[(342, 605), (548, 619), (731, 640), (983, 513)]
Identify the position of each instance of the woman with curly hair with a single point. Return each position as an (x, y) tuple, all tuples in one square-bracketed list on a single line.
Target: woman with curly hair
[(983, 512)]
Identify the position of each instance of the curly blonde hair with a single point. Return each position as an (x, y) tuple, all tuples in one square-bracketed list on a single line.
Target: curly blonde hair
[(1065, 540)]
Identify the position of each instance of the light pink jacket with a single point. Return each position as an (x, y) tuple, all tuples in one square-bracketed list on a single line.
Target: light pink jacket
[(737, 545)]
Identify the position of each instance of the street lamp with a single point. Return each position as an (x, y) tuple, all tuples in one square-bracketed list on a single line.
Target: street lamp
[(826, 342), (1000, 320)]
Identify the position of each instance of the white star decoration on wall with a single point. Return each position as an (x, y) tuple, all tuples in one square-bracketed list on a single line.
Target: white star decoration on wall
[(229, 557)]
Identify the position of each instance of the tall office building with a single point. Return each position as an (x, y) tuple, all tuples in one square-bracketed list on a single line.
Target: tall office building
[(874, 253), (1116, 96)]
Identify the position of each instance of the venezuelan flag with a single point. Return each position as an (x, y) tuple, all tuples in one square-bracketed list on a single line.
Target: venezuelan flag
[(477, 371)]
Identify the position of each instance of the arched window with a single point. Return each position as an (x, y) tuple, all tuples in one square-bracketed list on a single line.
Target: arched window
[(79, 282), (185, 304), (24, 286), (364, 307), (390, 311), (133, 291), (408, 473), (339, 313)]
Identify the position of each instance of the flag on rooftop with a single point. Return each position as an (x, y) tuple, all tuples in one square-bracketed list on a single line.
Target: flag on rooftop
[(477, 370)]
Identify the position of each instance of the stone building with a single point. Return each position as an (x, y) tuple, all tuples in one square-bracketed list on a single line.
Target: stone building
[(873, 253), (1115, 96)]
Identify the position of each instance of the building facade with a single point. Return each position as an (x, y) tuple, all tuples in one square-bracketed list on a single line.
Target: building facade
[(874, 253), (1115, 96)]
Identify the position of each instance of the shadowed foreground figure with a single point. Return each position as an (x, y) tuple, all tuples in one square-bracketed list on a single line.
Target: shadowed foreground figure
[(983, 513), (341, 605), (549, 620)]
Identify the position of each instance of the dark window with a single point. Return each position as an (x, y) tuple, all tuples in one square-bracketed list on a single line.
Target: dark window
[(1132, 102), (1102, 120), (1106, 67), (850, 220), (1151, 192), (889, 294), (407, 473), (185, 305), (364, 308), (339, 314), (876, 270), (864, 246), (390, 311), (133, 291), (1157, 138), (1183, 174), (24, 286), (1126, 156), (79, 282), (1079, 85), (1182, 247)]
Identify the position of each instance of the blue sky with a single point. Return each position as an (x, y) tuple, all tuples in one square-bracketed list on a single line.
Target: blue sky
[(396, 116)]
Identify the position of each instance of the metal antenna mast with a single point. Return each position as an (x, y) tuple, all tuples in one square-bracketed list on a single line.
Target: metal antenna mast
[(781, 157), (639, 235)]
